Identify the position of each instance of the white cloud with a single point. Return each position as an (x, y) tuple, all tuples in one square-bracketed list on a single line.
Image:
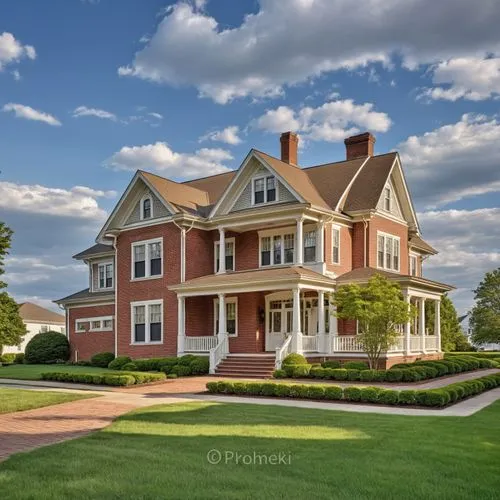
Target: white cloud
[(453, 161), (98, 113), (471, 78), (17, 76), (79, 202), (332, 121), (12, 50), (160, 157), (30, 113), (156, 115), (285, 43), (467, 240), (229, 135)]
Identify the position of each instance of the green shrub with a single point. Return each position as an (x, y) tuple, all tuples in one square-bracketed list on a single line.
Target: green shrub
[(394, 375), (181, 370), (130, 366), (102, 359), (333, 392), (294, 359), (146, 377), (316, 392), (373, 375), (118, 362), (225, 387), (487, 363), (317, 372), (279, 374), (331, 363), (370, 394), (212, 387), (239, 388), (301, 371), (8, 358), (282, 391), (254, 388), (268, 389), (200, 365), (388, 397), (47, 347), (171, 375), (411, 375), (434, 397), (352, 394), (299, 391), (407, 397), (355, 365), (90, 378), (186, 360), (353, 374), (337, 373), (19, 359)]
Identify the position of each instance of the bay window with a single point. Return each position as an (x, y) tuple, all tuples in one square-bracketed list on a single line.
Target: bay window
[(147, 259), (388, 249), (264, 189), (147, 322)]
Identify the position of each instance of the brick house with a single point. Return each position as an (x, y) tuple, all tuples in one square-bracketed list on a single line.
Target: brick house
[(238, 266)]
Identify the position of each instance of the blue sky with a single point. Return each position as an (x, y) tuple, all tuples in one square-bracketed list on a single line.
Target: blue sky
[(92, 90)]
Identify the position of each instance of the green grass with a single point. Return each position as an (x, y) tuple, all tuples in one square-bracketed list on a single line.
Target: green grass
[(160, 452), (34, 372), (18, 399)]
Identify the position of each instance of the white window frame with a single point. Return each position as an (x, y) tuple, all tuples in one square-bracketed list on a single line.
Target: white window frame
[(228, 300), (387, 187), (216, 246), (395, 238), (143, 199), (264, 178), (281, 232), (410, 257), (101, 320), (335, 228), (146, 304), (104, 264), (146, 244)]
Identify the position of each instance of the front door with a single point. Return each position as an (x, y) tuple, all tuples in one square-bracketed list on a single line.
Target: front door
[(279, 322)]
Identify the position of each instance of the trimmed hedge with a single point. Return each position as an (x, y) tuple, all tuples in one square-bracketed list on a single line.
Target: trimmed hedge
[(49, 347), (8, 358), (118, 362), (102, 359), (482, 354), (114, 379), (184, 366), (355, 365), (429, 397)]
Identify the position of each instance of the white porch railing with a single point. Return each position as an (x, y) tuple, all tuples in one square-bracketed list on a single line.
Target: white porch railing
[(415, 343), (310, 343), (399, 344), (218, 353), (200, 344), (431, 343), (282, 352), (346, 343)]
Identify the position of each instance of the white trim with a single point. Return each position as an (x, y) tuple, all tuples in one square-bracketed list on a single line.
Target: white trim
[(89, 304), (147, 196), (335, 227), (264, 177), (398, 239), (342, 199), (147, 332), (414, 255), (407, 192), (227, 300), (104, 264), (217, 244), (147, 262), (101, 319)]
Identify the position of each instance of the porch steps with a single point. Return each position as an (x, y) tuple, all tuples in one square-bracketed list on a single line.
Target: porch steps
[(246, 366)]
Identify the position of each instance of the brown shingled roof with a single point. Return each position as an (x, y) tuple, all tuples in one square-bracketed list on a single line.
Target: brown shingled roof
[(31, 312), (213, 185), (417, 242)]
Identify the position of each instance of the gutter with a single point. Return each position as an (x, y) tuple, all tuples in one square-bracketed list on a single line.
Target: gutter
[(115, 277)]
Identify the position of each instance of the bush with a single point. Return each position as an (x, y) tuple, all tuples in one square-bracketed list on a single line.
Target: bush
[(331, 363), (487, 363), (434, 397), (239, 388), (186, 360), (7, 358), (181, 370), (299, 391), (294, 359), (407, 397), (19, 358), (333, 392), (352, 394), (129, 367), (102, 359), (388, 397), (353, 374), (355, 365), (200, 365), (254, 388), (300, 371), (267, 389), (373, 375), (337, 373), (317, 372), (118, 362), (211, 387), (47, 347), (171, 375), (370, 394), (394, 375), (316, 392), (411, 375), (279, 374), (282, 391), (90, 378)]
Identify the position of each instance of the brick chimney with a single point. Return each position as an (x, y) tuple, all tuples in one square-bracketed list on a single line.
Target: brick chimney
[(359, 146), (289, 143)]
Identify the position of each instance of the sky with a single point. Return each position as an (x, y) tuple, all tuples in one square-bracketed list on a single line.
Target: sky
[(91, 90)]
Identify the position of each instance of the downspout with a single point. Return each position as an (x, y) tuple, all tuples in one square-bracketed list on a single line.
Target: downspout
[(115, 322), (365, 224), (183, 248)]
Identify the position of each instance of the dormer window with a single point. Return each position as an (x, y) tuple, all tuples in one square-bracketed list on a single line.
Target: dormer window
[(264, 190), (146, 212), (105, 275), (387, 199)]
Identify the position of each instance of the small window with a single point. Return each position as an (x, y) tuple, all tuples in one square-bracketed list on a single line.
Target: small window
[(107, 324), (146, 208), (335, 245), (310, 246), (387, 199), (105, 275), (259, 191), (147, 259), (81, 326), (271, 189), (44, 329), (264, 190), (95, 325), (289, 243), (265, 251)]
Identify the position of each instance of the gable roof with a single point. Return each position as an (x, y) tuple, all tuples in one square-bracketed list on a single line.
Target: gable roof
[(94, 251), (31, 312), (420, 244), (213, 185), (86, 295)]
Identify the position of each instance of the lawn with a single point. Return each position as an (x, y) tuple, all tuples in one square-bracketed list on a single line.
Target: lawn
[(18, 399), (161, 452), (34, 372)]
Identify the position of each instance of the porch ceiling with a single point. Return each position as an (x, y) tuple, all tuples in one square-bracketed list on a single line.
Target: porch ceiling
[(281, 278)]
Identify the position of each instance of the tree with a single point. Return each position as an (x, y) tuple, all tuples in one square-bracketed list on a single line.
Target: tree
[(452, 336), (485, 315), (5, 237), (12, 328), (379, 308)]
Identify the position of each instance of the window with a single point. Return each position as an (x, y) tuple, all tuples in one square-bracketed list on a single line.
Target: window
[(231, 316), (147, 322), (105, 272), (44, 329), (107, 324), (277, 249), (335, 245), (413, 265), (146, 210), (310, 246), (95, 325), (388, 252), (387, 199), (81, 326), (229, 255), (147, 259), (100, 324), (264, 190)]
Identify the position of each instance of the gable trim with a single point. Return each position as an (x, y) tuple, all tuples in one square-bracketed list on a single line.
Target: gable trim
[(343, 198), (407, 192)]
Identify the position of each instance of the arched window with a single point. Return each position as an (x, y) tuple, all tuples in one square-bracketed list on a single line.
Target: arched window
[(146, 208)]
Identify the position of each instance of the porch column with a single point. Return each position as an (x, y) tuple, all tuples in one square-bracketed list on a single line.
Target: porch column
[(407, 330), (437, 323), (334, 327), (181, 325), (321, 322), (320, 246), (421, 323), (297, 333), (222, 317), (222, 251), (299, 244)]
